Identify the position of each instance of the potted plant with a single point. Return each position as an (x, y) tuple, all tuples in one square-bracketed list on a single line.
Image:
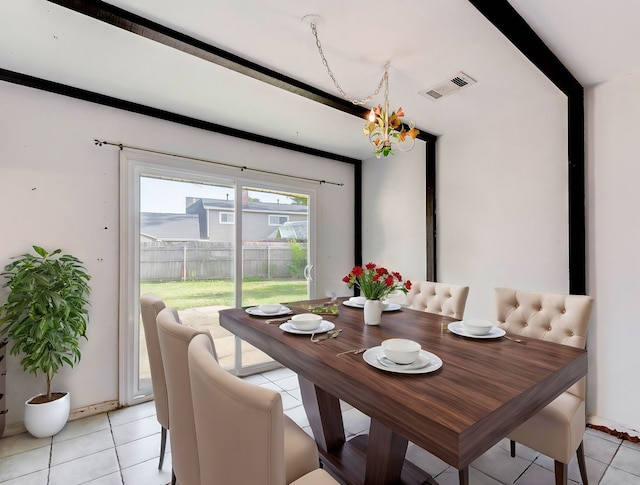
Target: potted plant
[(45, 315)]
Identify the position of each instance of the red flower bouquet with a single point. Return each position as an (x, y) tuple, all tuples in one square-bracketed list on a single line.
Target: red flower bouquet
[(376, 282)]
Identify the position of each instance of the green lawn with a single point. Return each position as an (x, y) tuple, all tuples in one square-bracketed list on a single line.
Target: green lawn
[(193, 294)]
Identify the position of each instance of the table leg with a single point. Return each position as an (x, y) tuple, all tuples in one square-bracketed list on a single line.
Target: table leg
[(324, 414), (463, 475), (385, 455)]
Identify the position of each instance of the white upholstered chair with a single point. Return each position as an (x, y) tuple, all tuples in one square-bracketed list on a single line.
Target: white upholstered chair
[(174, 341), (150, 306), (440, 298), (241, 428), (557, 430)]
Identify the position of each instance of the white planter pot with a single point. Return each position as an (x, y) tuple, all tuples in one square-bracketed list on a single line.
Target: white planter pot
[(47, 419)]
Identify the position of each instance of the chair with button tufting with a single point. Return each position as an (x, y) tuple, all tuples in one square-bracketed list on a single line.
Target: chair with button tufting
[(440, 298), (241, 429), (557, 430)]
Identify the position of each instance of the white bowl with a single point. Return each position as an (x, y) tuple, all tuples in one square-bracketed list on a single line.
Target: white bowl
[(358, 300), (306, 321), (270, 307), (475, 326), (400, 350)]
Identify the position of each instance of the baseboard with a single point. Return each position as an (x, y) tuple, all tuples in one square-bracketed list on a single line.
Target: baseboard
[(99, 408), (613, 428), (103, 407)]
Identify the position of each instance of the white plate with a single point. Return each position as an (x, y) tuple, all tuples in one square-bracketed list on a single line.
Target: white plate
[(458, 329), (255, 311), (388, 307), (325, 326), (426, 362)]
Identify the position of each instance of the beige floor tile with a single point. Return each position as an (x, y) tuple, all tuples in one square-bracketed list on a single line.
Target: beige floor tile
[(88, 444), (24, 463)]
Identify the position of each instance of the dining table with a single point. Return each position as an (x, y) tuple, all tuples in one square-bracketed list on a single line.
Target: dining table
[(472, 393)]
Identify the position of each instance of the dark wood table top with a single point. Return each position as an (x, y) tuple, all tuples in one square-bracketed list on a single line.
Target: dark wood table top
[(484, 390)]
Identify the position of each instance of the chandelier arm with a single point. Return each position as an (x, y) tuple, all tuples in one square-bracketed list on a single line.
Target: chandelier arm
[(335, 82)]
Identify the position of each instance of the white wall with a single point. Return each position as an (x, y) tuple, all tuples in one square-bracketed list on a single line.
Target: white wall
[(502, 205), (613, 155), (59, 190), (393, 212)]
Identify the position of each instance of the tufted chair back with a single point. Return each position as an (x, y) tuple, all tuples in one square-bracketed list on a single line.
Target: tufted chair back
[(563, 319), (440, 298), (557, 430)]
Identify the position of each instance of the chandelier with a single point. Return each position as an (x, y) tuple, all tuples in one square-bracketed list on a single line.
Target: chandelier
[(386, 130)]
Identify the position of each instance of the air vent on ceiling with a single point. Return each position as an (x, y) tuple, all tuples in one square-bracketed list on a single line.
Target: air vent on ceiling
[(451, 85)]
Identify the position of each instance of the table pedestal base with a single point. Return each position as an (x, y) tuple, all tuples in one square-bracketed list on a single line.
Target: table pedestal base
[(349, 463)]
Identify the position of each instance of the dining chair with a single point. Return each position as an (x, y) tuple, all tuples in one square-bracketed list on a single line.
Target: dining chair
[(240, 427), (558, 429), (150, 306), (174, 341), (440, 298)]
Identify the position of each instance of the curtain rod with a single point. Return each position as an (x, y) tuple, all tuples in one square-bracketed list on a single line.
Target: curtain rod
[(242, 168)]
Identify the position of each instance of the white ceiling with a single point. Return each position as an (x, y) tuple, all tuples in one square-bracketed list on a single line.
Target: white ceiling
[(426, 41)]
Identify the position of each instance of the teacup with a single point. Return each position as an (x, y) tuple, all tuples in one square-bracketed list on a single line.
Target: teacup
[(401, 350), (306, 321)]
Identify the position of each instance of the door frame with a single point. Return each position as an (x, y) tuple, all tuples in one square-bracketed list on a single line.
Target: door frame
[(135, 164)]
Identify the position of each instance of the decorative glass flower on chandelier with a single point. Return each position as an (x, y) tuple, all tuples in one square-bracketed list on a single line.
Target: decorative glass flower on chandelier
[(386, 131)]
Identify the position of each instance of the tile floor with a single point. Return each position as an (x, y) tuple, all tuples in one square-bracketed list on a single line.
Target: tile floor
[(121, 448)]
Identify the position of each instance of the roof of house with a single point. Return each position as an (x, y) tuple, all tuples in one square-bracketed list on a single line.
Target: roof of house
[(271, 207), (182, 227)]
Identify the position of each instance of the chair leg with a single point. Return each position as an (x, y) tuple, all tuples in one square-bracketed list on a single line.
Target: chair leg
[(561, 473), (463, 475), (581, 464), (512, 446), (163, 446)]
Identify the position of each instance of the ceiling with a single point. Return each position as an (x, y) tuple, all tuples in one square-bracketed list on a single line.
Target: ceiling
[(426, 41)]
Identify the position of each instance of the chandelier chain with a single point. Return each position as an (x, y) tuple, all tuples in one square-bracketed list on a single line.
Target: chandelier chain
[(383, 80)]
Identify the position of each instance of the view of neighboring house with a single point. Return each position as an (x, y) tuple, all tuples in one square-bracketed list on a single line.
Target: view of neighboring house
[(214, 220), (261, 219)]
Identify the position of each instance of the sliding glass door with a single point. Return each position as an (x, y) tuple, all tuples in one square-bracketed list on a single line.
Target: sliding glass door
[(202, 241)]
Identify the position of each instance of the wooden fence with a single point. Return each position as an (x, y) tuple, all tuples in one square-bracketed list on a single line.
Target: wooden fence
[(204, 260)]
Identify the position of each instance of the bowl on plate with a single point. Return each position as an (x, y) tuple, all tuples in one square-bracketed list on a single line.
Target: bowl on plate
[(270, 308), (401, 350), (358, 300), (477, 327), (306, 321)]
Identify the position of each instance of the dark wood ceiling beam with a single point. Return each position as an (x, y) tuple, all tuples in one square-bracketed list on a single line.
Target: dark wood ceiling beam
[(93, 97), (148, 29)]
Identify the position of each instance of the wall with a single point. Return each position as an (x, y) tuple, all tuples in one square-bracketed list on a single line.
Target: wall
[(502, 205), (393, 212), (60, 190), (613, 115)]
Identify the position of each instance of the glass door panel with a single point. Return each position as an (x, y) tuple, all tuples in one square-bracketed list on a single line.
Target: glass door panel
[(186, 257), (275, 252)]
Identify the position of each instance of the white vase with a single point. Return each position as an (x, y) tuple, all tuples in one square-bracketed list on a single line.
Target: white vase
[(46, 419), (372, 312)]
